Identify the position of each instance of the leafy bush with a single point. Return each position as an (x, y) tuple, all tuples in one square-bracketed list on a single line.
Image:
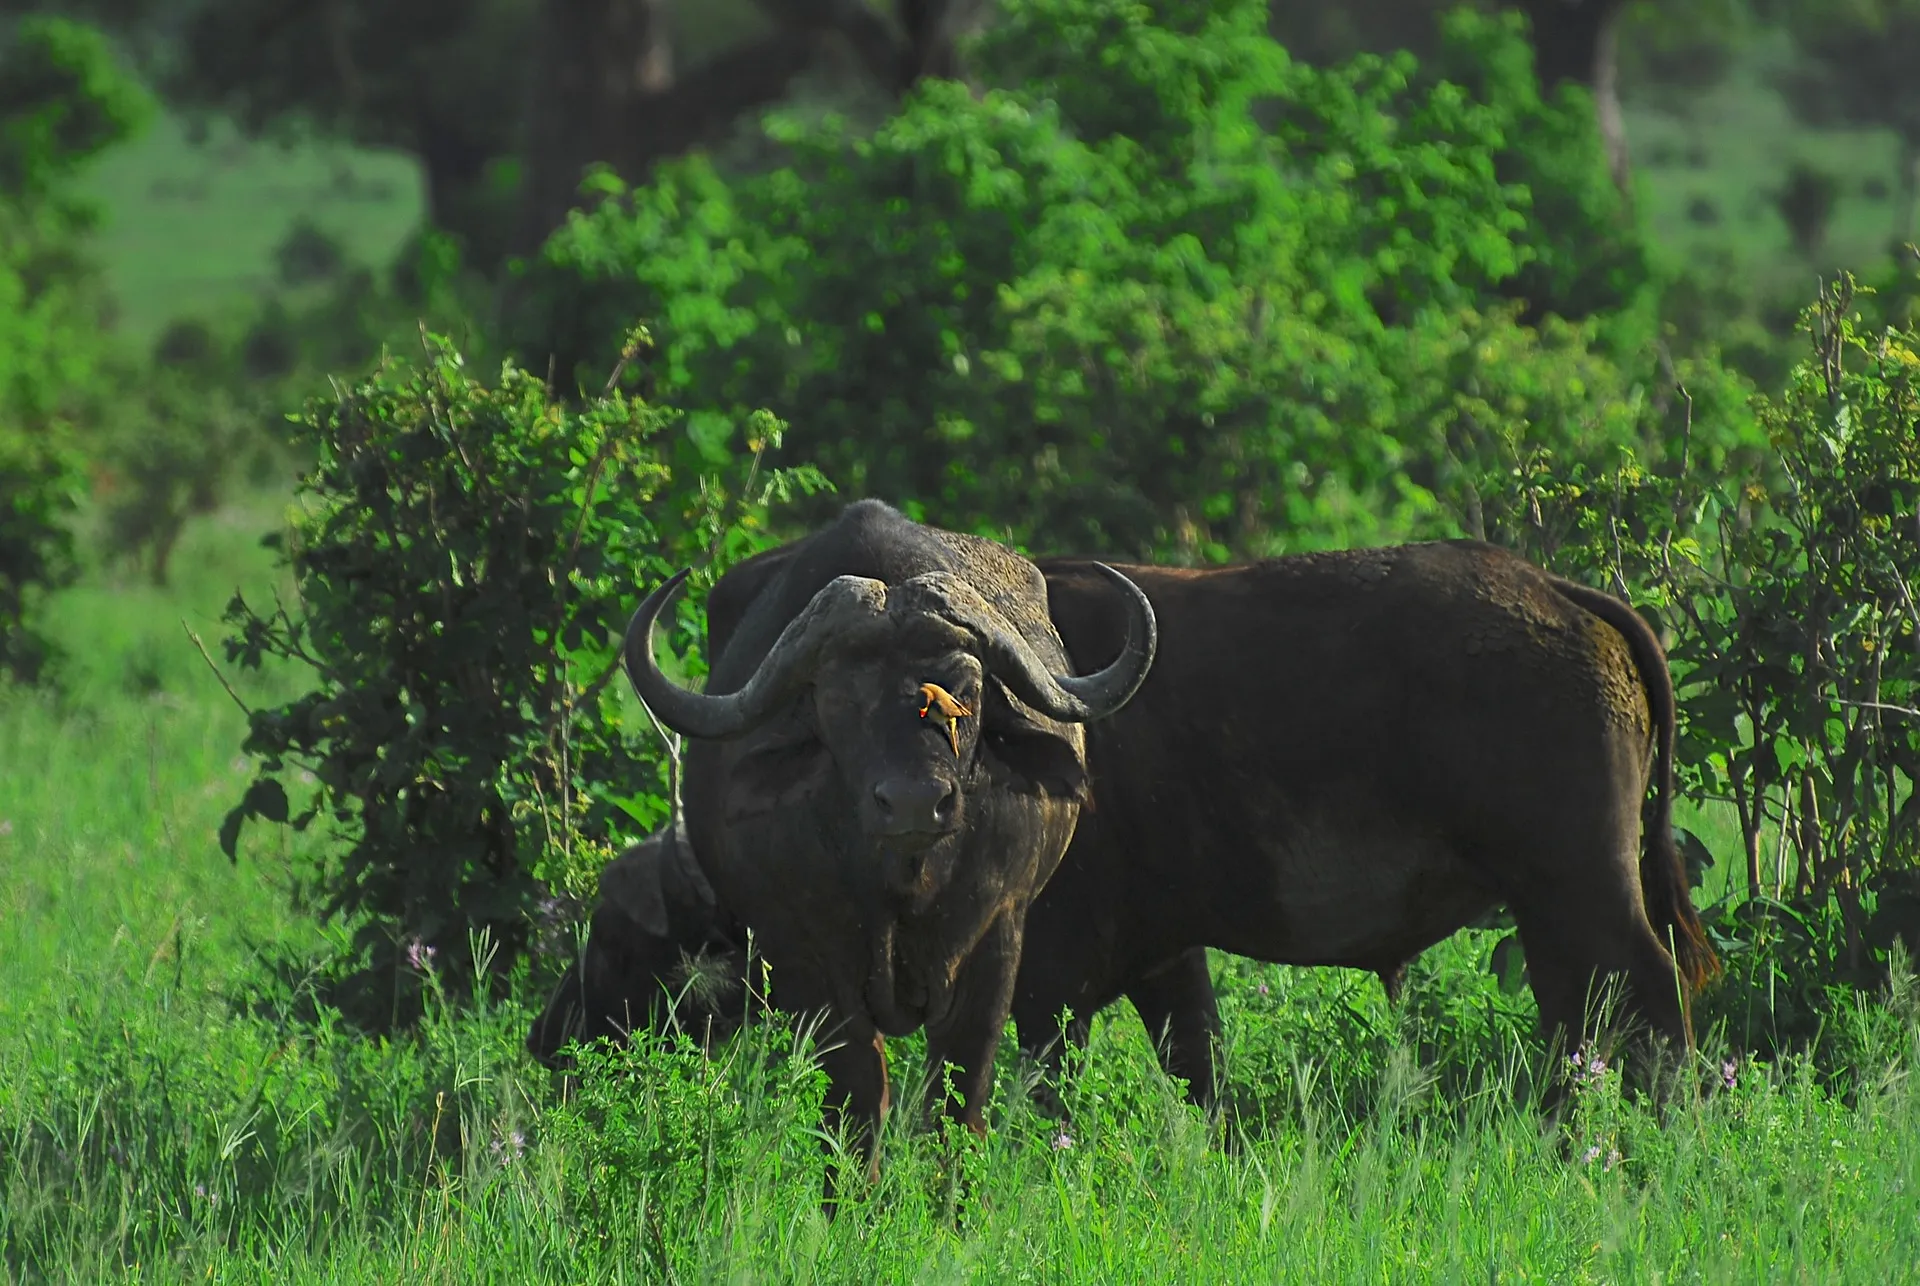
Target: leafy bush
[(1164, 291), (465, 558)]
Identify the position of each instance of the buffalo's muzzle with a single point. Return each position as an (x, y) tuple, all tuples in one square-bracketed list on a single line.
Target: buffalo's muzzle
[(906, 808)]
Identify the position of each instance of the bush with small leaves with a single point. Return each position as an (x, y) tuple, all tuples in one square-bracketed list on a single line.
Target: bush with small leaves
[(465, 557)]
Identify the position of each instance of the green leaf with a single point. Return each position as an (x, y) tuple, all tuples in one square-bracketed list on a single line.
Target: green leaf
[(1508, 964)]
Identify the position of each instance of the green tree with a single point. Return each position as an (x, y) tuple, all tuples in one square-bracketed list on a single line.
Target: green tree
[(1164, 290), (62, 101)]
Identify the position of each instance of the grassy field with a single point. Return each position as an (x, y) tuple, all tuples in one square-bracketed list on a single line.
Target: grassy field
[(164, 1115), (192, 224)]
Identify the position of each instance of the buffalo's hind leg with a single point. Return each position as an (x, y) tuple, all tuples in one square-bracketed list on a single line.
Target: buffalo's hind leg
[(1182, 1016), (1575, 948)]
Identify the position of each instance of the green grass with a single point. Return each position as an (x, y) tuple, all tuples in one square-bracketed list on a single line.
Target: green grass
[(191, 227), (166, 1113)]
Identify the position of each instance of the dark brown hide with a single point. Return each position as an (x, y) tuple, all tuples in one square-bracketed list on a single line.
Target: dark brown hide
[(1341, 758), (886, 870)]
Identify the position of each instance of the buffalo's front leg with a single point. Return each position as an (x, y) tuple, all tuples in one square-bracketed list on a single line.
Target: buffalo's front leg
[(857, 1092), (968, 1036)]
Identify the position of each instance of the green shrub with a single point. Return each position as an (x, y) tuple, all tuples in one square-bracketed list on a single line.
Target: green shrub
[(465, 557), (38, 487), (1162, 291)]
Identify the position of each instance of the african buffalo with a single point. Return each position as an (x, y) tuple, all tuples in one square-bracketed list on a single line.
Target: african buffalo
[(660, 952), (885, 768), (1476, 716), (1342, 758)]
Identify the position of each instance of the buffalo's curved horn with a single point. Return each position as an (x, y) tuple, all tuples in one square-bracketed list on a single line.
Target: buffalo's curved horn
[(1011, 658), (1093, 696), (787, 664)]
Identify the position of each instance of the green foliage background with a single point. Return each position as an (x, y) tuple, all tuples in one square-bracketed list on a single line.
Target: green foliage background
[(62, 101), (1164, 292)]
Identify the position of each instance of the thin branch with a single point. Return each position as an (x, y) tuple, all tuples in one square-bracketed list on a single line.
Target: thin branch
[(672, 742), (1906, 597), (244, 707), (1909, 711)]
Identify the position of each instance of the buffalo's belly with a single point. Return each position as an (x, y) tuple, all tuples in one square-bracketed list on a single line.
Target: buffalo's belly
[(1350, 893)]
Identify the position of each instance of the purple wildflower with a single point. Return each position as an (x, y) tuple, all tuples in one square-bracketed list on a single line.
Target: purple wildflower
[(1729, 1073), (509, 1149), (1593, 1154), (1588, 1068), (1062, 1141), (1262, 989), (420, 955)]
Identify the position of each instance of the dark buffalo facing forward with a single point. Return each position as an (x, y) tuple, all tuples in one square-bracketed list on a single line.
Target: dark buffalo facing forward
[(885, 768), (1342, 758)]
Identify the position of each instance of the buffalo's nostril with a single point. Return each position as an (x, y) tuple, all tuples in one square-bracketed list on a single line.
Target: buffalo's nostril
[(943, 811)]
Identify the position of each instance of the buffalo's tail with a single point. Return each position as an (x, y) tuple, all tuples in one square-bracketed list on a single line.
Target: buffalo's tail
[(1663, 874)]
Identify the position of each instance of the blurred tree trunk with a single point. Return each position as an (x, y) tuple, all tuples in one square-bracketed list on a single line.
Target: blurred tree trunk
[(1578, 40), (607, 90), (454, 168), (595, 58), (1907, 204)]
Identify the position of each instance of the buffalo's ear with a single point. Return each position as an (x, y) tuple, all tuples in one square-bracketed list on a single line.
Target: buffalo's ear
[(1044, 760), (776, 775), (1041, 759)]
